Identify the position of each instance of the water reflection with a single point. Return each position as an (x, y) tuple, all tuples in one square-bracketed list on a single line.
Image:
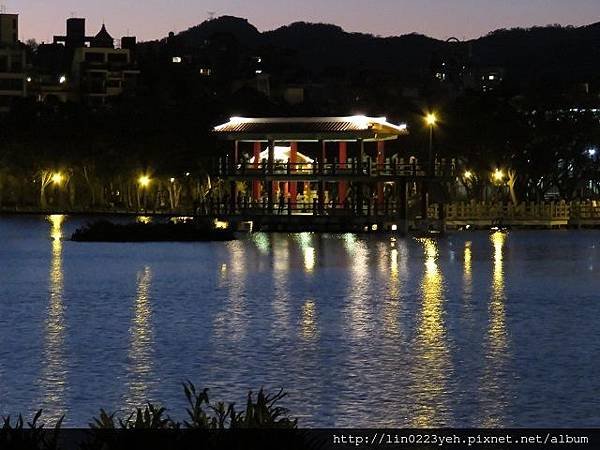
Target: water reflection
[(281, 299), (359, 320), (54, 373), (391, 308), (261, 241), (308, 252), (140, 367), (231, 321), (494, 383), (467, 272), (433, 366), (309, 327)]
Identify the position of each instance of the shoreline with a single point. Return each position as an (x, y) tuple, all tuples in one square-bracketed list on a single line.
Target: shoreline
[(283, 223)]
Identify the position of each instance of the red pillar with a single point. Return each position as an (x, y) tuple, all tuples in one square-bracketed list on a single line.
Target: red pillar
[(380, 163), (256, 183), (293, 160), (343, 185)]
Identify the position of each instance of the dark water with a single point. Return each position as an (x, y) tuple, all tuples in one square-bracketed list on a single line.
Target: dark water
[(472, 330)]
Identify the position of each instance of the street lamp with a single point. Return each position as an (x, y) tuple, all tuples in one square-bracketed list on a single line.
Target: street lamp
[(468, 175), (431, 120), (498, 176), (144, 181), (57, 178)]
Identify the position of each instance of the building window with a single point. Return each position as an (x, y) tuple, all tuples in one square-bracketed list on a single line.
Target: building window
[(205, 71), (177, 59), (93, 57), (117, 58)]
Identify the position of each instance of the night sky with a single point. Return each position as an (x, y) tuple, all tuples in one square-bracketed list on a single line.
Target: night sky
[(150, 19)]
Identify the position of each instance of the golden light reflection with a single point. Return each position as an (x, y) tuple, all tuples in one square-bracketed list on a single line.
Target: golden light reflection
[(433, 359), (230, 322), (309, 321), (394, 263), (140, 367), (308, 251), (358, 295), (56, 222), (281, 299), (468, 270), (391, 308), (54, 372), (494, 383)]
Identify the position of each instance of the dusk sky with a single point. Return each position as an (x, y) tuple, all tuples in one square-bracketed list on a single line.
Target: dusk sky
[(150, 19)]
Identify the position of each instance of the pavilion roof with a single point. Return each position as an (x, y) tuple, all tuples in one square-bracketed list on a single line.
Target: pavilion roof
[(309, 129)]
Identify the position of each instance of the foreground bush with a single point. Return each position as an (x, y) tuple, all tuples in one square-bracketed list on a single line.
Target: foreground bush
[(204, 419)]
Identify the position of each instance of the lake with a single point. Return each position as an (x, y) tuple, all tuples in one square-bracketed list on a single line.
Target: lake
[(474, 329)]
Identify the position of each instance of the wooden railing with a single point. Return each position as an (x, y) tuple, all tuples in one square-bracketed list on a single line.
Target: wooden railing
[(396, 168), (314, 207), (475, 211)]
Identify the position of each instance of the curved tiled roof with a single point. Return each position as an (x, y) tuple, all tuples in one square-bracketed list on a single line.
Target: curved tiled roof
[(310, 128)]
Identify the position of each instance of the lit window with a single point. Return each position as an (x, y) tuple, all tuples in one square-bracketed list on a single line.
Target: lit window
[(258, 72), (205, 71), (492, 77), (177, 59)]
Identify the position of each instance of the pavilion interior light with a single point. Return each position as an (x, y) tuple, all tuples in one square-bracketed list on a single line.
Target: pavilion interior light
[(283, 154)]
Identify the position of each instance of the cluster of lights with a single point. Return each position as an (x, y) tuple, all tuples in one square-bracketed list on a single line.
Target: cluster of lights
[(498, 175)]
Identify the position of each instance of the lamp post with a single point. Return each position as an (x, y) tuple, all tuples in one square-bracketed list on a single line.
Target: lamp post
[(143, 182), (431, 120)]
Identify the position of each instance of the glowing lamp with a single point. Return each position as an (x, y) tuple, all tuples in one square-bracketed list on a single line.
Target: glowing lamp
[(431, 119), (57, 178), (144, 181)]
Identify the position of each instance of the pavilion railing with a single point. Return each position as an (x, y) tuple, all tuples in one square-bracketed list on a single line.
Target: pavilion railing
[(364, 208), (399, 168)]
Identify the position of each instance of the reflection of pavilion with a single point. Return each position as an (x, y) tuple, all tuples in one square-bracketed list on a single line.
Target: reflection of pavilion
[(343, 170)]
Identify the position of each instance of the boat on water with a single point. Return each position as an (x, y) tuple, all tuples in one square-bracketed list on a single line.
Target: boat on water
[(106, 231)]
